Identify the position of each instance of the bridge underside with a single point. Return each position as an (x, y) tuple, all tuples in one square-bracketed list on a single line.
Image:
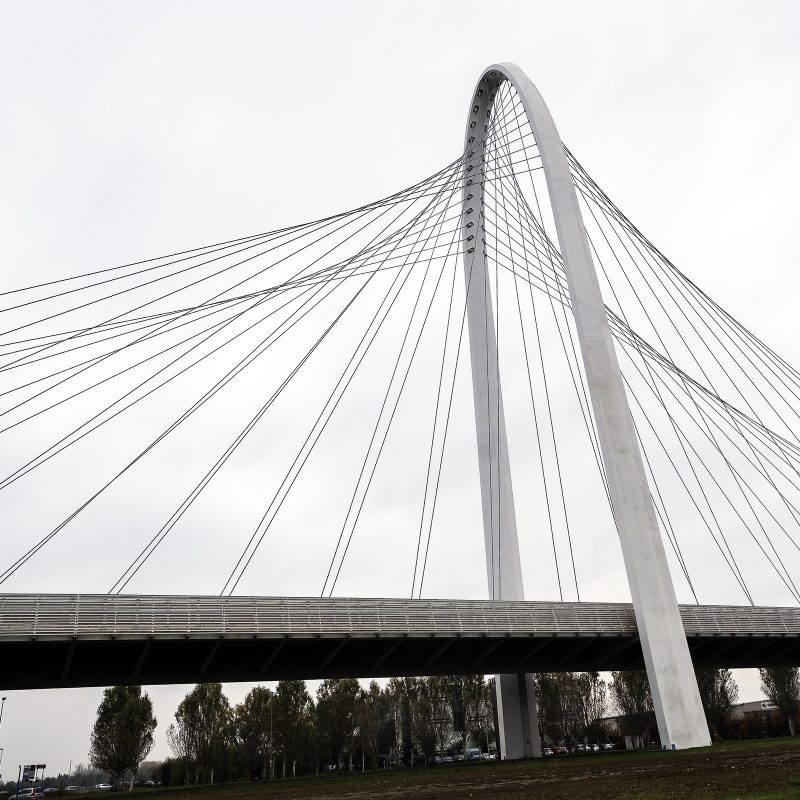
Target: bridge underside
[(49, 641)]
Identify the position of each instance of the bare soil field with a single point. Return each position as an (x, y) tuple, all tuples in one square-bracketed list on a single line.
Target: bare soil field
[(764, 770)]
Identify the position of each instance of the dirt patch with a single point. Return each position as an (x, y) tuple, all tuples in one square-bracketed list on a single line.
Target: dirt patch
[(755, 770)]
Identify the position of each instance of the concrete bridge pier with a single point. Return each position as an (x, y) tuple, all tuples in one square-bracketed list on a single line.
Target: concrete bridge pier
[(517, 717)]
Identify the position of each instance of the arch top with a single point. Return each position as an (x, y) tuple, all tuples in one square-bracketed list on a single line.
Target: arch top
[(555, 165)]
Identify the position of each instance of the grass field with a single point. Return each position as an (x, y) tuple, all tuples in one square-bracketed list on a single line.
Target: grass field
[(762, 770)]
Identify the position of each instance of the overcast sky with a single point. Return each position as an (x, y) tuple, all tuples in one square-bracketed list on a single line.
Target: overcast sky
[(130, 130)]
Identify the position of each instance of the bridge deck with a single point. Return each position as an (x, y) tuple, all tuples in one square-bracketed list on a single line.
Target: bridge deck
[(98, 640)]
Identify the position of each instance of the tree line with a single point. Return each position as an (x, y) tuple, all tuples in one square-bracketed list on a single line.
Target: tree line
[(576, 707), (284, 732)]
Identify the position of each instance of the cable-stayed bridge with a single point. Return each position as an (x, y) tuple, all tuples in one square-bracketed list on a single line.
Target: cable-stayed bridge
[(634, 408), (82, 640)]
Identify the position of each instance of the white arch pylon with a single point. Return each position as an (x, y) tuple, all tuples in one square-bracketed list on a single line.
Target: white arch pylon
[(679, 711)]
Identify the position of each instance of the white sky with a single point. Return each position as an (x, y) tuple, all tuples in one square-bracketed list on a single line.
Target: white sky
[(129, 130)]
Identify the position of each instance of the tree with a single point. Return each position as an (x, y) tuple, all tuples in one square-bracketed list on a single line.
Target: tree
[(254, 726), (550, 712), (782, 686), (491, 688), (582, 699), (422, 718), (83, 775), (431, 716), (178, 741), (336, 715), (123, 732), (595, 693), (466, 694), (631, 693), (572, 691), (204, 726), (486, 717), (400, 692), (719, 693), (570, 704), (371, 716), (292, 721)]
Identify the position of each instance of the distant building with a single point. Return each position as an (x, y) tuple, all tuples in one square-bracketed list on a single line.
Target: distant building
[(752, 719), (753, 708)]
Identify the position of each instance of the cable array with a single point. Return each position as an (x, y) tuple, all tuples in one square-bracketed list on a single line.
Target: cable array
[(368, 302)]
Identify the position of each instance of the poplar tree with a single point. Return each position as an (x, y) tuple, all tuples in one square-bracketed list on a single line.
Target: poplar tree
[(255, 726), (782, 686), (719, 693), (204, 723), (123, 732)]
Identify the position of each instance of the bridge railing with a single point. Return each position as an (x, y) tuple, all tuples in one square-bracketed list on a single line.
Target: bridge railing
[(176, 616)]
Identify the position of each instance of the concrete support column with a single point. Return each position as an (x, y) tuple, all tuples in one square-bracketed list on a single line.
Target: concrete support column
[(517, 716)]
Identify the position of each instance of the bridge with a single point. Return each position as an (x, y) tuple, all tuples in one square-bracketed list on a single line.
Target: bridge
[(84, 640), (644, 415)]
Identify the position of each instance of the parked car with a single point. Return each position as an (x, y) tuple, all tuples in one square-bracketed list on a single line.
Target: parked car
[(73, 788), (559, 750), (25, 793), (51, 790), (606, 746), (547, 752), (103, 787)]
